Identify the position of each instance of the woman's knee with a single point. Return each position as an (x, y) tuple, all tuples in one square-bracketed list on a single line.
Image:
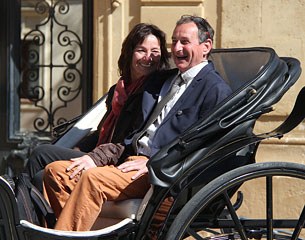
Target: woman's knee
[(54, 173), (56, 167)]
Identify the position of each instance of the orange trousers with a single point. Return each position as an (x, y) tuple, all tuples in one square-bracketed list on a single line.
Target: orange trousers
[(78, 202)]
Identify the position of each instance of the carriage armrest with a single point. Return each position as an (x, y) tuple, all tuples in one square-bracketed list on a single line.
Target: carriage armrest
[(61, 128), (83, 126)]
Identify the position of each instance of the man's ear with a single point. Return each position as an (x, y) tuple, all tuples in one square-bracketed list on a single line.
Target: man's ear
[(207, 47)]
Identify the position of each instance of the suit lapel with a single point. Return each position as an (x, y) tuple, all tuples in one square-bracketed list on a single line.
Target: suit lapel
[(189, 91), (150, 98)]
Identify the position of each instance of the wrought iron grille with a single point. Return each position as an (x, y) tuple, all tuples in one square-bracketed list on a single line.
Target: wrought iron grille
[(51, 65)]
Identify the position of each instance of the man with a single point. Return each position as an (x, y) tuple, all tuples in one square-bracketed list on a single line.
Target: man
[(77, 190)]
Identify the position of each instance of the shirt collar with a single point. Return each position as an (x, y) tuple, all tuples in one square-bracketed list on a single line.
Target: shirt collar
[(192, 72)]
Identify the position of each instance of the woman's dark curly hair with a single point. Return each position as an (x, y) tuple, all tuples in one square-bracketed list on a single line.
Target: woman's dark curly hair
[(135, 37)]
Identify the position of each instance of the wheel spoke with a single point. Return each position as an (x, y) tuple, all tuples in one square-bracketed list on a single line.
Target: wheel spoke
[(269, 207), (239, 226), (299, 225), (193, 233)]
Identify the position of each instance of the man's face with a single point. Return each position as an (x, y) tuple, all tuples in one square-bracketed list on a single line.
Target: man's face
[(186, 50)]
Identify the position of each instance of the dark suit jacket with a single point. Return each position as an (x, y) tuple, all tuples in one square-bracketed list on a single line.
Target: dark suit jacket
[(205, 91)]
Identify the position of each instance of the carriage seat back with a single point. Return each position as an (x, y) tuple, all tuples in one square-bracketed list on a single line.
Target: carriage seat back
[(238, 66)]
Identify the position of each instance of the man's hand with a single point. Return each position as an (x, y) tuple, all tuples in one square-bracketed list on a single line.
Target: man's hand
[(80, 164), (135, 163)]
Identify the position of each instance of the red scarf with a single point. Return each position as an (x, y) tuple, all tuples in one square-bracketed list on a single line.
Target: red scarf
[(120, 95)]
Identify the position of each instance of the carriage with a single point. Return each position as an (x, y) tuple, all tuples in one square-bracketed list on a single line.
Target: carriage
[(200, 177)]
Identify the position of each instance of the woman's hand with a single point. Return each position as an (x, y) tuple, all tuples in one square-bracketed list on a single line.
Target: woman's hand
[(80, 164), (133, 163)]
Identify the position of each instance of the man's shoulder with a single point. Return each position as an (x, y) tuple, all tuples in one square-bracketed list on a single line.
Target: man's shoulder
[(213, 78), (209, 71)]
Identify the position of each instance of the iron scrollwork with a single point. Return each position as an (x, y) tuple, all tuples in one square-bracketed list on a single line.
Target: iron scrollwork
[(40, 69)]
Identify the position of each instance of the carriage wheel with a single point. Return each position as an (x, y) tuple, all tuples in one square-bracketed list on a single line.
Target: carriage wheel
[(267, 188)]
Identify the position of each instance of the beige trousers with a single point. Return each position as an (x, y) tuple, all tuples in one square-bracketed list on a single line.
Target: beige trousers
[(78, 202)]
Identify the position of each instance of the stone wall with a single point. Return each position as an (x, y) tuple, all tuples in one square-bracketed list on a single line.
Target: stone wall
[(279, 25)]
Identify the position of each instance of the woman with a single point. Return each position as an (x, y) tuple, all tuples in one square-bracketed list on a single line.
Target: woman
[(133, 71), (143, 52)]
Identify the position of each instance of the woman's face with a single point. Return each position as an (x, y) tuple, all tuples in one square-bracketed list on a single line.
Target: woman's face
[(146, 57)]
